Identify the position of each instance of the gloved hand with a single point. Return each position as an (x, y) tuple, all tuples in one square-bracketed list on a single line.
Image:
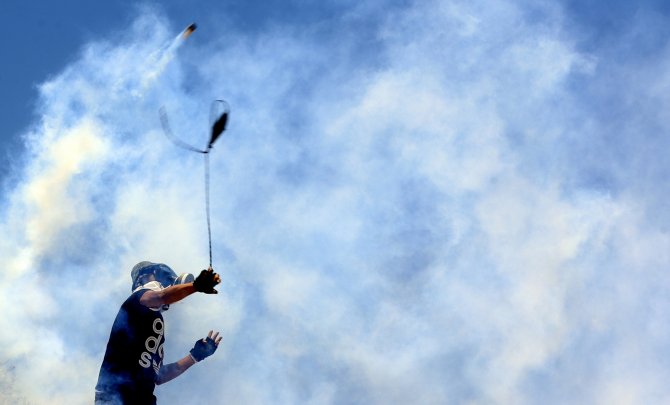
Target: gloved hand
[(206, 281), (205, 347)]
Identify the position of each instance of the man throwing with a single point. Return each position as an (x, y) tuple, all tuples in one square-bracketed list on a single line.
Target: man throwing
[(133, 362)]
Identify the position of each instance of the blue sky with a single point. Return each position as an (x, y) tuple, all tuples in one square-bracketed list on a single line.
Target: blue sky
[(415, 202)]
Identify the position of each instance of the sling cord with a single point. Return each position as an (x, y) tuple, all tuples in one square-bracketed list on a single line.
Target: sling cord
[(183, 145)]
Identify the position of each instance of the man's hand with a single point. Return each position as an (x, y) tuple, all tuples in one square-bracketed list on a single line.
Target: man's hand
[(206, 281), (205, 347)]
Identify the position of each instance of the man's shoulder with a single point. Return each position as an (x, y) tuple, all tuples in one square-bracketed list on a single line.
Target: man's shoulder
[(133, 299)]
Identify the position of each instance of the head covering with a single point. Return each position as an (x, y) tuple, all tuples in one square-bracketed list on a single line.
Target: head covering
[(163, 273)]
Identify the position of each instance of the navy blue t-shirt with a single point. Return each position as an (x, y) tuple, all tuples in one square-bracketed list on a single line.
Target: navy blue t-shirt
[(134, 354)]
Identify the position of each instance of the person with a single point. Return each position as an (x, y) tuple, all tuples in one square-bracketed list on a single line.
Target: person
[(133, 361)]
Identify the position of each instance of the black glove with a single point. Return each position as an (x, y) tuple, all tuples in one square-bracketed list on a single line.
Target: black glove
[(203, 348), (206, 281)]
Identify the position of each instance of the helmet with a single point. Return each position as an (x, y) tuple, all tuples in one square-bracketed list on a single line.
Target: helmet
[(163, 274)]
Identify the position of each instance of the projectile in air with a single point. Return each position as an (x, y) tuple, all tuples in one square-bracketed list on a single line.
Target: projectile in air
[(188, 31)]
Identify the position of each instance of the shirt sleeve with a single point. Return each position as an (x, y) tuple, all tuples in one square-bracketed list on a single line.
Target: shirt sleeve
[(133, 302)]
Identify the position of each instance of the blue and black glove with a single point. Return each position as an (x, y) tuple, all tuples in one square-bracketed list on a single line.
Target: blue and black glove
[(205, 347)]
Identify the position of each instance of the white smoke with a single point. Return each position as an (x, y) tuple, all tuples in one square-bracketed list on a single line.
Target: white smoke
[(402, 223)]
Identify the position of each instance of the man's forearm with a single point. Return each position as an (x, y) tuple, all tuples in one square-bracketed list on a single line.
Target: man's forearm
[(170, 295), (173, 370), (176, 293)]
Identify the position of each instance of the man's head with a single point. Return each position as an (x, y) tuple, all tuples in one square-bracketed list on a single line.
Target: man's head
[(144, 272)]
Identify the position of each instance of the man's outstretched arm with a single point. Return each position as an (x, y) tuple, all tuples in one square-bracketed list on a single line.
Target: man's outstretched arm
[(170, 295), (204, 283)]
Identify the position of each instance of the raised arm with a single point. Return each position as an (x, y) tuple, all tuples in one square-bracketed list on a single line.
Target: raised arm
[(205, 283), (154, 299)]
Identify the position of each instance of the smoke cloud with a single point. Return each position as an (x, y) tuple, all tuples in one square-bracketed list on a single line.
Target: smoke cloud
[(424, 203)]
